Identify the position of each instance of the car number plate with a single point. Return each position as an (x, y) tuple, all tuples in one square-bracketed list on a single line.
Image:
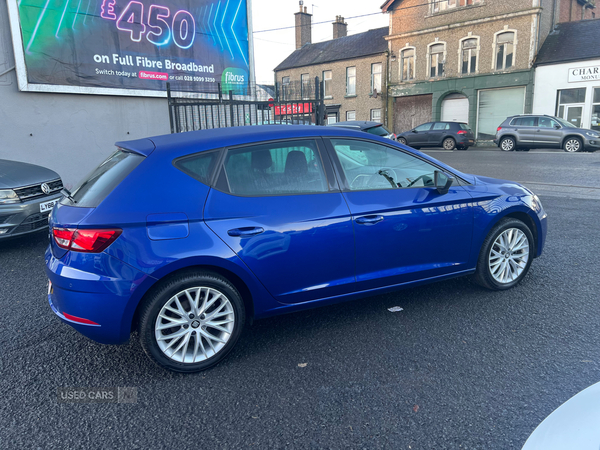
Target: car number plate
[(47, 206)]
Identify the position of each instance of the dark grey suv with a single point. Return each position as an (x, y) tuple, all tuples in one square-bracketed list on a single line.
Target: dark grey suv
[(529, 131), (27, 195)]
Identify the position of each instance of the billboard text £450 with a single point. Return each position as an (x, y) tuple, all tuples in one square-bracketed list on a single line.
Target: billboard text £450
[(134, 44)]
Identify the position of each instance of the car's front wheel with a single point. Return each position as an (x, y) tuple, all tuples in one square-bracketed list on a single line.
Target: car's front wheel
[(402, 141), (573, 145), (505, 256), (191, 322), (507, 144)]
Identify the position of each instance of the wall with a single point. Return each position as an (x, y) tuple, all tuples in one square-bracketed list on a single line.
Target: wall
[(68, 133), (572, 10), (411, 111), (363, 102), (549, 79)]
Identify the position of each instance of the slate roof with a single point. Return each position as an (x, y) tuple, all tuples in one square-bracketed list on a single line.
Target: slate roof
[(362, 44), (571, 41)]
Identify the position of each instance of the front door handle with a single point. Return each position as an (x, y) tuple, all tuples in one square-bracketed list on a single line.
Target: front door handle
[(245, 231), (369, 220)]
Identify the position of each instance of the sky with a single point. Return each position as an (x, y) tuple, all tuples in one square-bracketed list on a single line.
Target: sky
[(272, 47)]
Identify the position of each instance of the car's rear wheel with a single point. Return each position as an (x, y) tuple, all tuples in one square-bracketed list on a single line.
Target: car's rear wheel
[(508, 144), (191, 322), (573, 145), (402, 141), (505, 256), (449, 144)]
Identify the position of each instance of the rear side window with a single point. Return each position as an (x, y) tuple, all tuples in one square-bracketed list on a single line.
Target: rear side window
[(90, 192), (378, 131), (283, 168), (198, 166), (441, 126), (524, 122)]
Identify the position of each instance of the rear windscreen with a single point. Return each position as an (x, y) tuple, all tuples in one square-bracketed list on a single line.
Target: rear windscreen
[(378, 131), (97, 185), (464, 126)]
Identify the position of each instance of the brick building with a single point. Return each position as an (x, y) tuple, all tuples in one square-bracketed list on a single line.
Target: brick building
[(574, 10), (464, 60), (353, 69)]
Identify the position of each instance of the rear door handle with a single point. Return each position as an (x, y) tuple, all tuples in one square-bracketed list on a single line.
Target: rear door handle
[(369, 220), (245, 231)]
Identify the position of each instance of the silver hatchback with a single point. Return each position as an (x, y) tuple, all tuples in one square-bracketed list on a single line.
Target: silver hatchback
[(530, 131), (27, 195)]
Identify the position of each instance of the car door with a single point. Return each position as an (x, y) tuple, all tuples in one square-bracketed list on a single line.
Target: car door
[(419, 136), (278, 207), (549, 133), (526, 130), (437, 133), (404, 229)]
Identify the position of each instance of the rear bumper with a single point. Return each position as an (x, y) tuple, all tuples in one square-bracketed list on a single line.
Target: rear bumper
[(96, 287), (18, 219)]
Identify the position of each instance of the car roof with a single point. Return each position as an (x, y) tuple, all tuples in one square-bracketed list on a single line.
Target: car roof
[(230, 136), (362, 124)]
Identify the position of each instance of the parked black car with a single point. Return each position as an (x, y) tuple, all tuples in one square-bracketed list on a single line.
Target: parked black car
[(449, 135), (375, 128), (27, 195), (528, 131)]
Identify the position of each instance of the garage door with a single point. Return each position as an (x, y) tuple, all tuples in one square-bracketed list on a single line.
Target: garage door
[(495, 105), (455, 108)]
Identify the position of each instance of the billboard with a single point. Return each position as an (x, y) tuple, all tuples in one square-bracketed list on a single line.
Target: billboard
[(132, 47)]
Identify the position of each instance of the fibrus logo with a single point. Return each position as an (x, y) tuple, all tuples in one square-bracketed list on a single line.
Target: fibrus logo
[(234, 79)]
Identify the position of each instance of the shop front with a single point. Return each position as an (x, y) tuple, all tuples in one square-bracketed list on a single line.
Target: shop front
[(570, 91)]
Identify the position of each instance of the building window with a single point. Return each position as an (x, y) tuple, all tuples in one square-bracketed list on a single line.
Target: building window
[(596, 110), (285, 87), (436, 60), (376, 115), (469, 53), (570, 105), (376, 77), (350, 80), (407, 64), (505, 50), (331, 118), (442, 5), (327, 84), (350, 115), (304, 86)]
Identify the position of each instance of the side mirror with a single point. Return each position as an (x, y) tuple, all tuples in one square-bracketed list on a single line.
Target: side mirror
[(414, 131), (442, 182), (558, 127)]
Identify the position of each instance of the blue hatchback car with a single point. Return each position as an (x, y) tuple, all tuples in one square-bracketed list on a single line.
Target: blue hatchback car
[(187, 237)]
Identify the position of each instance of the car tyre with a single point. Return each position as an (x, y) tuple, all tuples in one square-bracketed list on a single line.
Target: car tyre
[(449, 143), (506, 255), (200, 340), (508, 144), (573, 145), (462, 147), (402, 141)]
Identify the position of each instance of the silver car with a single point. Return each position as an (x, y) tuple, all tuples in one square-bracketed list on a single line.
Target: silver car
[(530, 131), (27, 195)]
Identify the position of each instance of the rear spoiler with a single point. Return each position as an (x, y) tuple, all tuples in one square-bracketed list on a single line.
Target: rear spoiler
[(140, 146)]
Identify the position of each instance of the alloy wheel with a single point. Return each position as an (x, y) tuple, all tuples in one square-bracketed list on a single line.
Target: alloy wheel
[(572, 145), (449, 144), (509, 255), (194, 325), (402, 141), (507, 145)]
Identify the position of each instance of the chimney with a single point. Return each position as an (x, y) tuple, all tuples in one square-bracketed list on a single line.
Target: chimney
[(303, 27), (340, 28)]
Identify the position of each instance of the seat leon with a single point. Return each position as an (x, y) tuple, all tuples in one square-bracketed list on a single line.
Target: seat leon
[(187, 237)]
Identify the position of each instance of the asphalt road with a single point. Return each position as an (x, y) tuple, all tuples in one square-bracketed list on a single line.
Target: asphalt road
[(458, 368)]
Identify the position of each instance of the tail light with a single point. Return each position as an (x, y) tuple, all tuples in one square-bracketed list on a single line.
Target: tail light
[(461, 132), (498, 130), (85, 241)]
